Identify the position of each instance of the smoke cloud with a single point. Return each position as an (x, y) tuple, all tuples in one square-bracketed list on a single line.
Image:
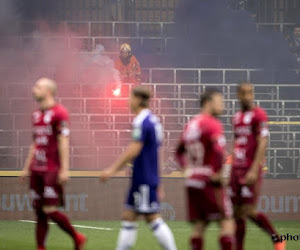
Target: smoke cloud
[(211, 27), (30, 50)]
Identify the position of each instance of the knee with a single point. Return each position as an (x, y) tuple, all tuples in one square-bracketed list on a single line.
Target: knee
[(198, 229), (129, 216)]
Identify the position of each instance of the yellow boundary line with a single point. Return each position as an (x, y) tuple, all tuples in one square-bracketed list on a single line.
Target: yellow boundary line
[(284, 123), (8, 173)]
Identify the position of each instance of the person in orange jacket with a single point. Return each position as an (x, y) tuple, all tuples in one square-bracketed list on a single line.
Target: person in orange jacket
[(128, 65)]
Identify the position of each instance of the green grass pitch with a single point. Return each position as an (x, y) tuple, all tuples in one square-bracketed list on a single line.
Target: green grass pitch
[(16, 235)]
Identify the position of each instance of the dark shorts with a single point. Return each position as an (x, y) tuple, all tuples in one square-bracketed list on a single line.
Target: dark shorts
[(45, 190), (143, 199), (208, 203), (241, 193)]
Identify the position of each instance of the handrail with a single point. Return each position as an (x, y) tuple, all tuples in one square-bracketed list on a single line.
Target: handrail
[(137, 24)]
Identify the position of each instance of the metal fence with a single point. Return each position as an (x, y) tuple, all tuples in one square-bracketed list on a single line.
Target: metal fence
[(101, 125)]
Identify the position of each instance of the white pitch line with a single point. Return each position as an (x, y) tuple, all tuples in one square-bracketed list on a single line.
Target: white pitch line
[(79, 226)]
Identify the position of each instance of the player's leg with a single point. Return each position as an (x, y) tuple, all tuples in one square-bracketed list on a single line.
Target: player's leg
[(64, 223), (41, 228), (240, 216), (161, 231), (128, 232), (261, 220), (52, 198), (227, 234), (240, 225), (197, 236), (36, 191)]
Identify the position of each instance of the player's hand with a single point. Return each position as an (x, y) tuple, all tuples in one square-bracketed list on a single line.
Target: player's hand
[(105, 175), (63, 177), (216, 179), (23, 176), (251, 177)]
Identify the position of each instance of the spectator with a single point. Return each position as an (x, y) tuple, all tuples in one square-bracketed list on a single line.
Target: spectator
[(128, 65), (294, 42)]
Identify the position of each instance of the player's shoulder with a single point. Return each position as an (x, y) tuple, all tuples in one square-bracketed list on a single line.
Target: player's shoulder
[(142, 118), (210, 123), (60, 110), (260, 112)]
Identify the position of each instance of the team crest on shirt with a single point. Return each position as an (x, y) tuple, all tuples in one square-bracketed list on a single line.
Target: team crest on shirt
[(248, 117), (48, 116)]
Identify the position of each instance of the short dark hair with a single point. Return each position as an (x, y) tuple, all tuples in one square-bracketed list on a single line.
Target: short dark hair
[(208, 95), (241, 84), (143, 93)]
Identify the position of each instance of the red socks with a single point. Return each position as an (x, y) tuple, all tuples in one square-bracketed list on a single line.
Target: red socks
[(196, 243), (263, 222), (227, 242), (64, 223), (41, 229), (240, 233)]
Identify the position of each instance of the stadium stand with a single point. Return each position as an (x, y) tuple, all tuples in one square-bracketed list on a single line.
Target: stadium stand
[(100, 124), (100, 128)]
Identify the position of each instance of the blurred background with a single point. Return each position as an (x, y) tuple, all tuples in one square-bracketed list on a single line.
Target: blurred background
[(183, 47)]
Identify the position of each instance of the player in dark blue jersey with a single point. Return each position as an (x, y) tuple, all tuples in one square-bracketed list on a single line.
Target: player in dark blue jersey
[(143, 152)]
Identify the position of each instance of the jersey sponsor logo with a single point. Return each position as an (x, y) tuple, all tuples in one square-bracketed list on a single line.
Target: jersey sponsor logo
[(41, 140), (240, 154), (40, 156), (242, 140), (243, 130), (43, 130), (49, 192)]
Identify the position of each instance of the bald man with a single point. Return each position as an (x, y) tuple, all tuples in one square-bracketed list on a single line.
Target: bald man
[(47, 163)]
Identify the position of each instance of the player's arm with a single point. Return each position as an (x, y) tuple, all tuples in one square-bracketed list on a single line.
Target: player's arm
[(63, 151), (218, 145), (160, 190), (25, 171), (180, 154), (252, 175), (131, 152), (63, 132), (217, 177), (262, 143)]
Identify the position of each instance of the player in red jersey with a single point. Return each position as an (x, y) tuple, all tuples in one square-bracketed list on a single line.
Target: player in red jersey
[(47, 163), (201, 152), (250, 143)]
